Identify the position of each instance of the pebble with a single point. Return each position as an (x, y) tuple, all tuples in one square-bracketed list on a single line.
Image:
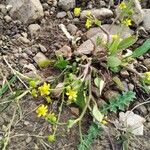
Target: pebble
[(28, 140), (24, 40), (124, 73), (40, 58), (61, 14), (110, 94), (86, 47), (7, 18), (98, 13), (146, 62), (33, 29), (146, 21), (72, 28), (67, 4), (42, 48), (142, 109), (131, 86)]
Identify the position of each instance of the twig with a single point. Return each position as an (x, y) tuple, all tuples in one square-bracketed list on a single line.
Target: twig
[(9, 129), (148, 101), (15, 72)]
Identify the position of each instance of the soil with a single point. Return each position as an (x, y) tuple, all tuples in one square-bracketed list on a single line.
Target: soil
[(26, 126)]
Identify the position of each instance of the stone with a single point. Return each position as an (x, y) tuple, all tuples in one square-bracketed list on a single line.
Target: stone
[(86, 47), (146, 21), (110, 94), (61, 14), (3, 9), (23, 40), (75, 111), (67, 4), (141, 109), (114, 29), (41, 60), (34, 29), (7, 19), (146, 62), (42, 48), (124, 73), (65, 51), (26, 11), (131, 86), (72, 28), (98, 13), (138, 14), (28, 140)]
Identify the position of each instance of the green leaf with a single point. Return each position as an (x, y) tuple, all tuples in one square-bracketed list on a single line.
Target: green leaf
[(113, 48), (142, 49), (113, 61), (5, 87), (97, 114), (120, 101), (127, 42), (119, 83), (99, 83), (61, 63), (80, 100)]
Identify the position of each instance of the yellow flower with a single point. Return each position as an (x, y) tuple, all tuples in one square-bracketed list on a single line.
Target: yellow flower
[(104, 122), (34, 93), (42, 110), (147, 76), (115, 36), (32, 83), (122, 5), (51, 117), (72, 94), (44, 89), (88, 23), (127, 22), (77, 11), (51, 138)]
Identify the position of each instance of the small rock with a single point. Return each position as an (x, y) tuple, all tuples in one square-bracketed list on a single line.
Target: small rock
[(98, 13), (42, 48), (114, 29), (34, 29), (138, 14), (86, 48), (41, 60), (28, 140), (46, 13), (7, 18), (75, 110), (26, 10), (58, 90), (72, 28), (67, 4), (3, 9), (65, 51), (110, 94), (25, 56), (142, 109), (69, 15), (61, 14), (124, 73), (146, 62), (131, 86), (146, 21), (24, 40)]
